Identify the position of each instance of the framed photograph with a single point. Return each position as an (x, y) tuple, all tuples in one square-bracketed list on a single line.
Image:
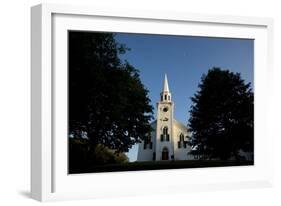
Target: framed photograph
[(138, 102)]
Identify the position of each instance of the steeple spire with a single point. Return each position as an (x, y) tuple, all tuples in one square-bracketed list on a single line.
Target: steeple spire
[(166, 85), (165, 94)]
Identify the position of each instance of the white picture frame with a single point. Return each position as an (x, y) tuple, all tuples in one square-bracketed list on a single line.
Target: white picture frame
[(49, 178)]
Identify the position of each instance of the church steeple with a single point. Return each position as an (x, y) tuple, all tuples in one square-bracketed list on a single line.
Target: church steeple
[(165, 94), (166, 85)]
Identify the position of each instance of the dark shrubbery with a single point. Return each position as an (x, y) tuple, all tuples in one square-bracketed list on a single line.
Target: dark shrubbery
[(81, 158)]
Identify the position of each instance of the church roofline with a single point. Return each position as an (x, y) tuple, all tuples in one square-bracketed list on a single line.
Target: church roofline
[(180, 124)]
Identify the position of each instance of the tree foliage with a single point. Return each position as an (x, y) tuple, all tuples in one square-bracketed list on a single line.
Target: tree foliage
[(107, 100), (222, 115), (82, 159)]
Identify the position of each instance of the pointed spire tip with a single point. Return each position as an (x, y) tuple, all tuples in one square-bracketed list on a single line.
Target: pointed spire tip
[(165, 85)]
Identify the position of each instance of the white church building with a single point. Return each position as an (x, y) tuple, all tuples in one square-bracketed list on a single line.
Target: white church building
[(169, 137)]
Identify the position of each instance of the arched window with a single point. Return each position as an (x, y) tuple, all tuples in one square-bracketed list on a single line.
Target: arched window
[(165, 130), (165, 96), (182, 142), (181, 137), (165, 136), (147, 144)]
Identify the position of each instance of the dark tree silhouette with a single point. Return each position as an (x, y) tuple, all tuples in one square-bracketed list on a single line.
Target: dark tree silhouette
[(108, 103), (222, 116)]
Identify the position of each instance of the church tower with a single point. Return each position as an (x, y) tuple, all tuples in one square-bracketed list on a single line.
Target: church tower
[(164, 129), (169, 137)]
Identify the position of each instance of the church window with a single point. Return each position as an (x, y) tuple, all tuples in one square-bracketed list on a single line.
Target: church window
[(147, 144), (165, 136), (165, 96), (181, 141), (161, 97), (181, 137), (165, 130)]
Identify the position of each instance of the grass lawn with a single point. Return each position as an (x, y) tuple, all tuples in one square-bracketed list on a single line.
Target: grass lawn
[(156, 165)]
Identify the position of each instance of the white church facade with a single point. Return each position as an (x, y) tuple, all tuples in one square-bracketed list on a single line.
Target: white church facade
[(169, 137)]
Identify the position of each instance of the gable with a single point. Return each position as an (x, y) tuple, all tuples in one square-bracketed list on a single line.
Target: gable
[(179, 125)]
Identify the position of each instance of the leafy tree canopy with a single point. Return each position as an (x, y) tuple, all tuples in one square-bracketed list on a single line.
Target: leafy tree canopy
[(107, 100), (222, 115)]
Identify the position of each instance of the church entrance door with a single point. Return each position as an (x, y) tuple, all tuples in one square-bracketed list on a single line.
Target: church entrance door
[(165, 154)]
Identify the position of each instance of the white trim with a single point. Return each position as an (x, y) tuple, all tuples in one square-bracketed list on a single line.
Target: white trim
[(36, 160)]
